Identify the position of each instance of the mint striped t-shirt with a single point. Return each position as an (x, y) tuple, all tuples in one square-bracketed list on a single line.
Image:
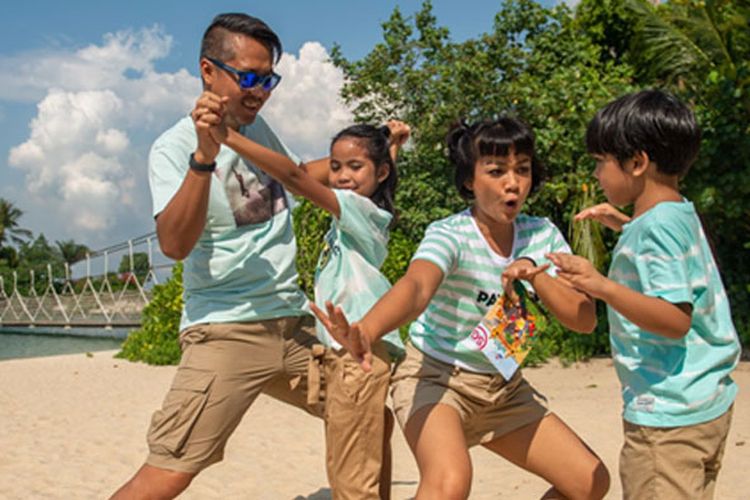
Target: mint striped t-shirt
[(471, 282), (667, 382)]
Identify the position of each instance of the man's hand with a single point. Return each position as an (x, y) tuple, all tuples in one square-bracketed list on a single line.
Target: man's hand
[(349, 336), (210, 128), (521, 269), (580, 273), (400, 133), (605, 214)]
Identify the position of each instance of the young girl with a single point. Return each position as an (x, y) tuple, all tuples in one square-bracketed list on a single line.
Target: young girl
[(448, 397), (363, 180)]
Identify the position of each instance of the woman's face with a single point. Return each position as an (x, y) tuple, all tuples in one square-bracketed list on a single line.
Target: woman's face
[(352, 168), (500, 185)]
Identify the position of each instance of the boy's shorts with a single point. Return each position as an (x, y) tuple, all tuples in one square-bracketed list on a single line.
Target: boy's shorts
[(489, 406), (673, 462), (224, 367)]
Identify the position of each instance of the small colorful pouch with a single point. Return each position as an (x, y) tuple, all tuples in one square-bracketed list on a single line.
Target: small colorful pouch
[(507, 332)]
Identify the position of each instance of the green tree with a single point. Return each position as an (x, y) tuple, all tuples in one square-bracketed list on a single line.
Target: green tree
[(701, 51), (141, 264), (536, 63), (71, 251), (10, 231), (157, 341)]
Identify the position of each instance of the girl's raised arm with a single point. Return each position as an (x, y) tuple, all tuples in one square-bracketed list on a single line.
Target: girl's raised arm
[(294, 178)]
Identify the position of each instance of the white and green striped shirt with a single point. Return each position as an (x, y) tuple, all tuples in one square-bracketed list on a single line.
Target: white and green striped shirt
[(471, 281), (673, 382)]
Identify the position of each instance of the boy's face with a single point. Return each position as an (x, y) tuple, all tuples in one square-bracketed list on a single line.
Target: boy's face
[(616, 179)]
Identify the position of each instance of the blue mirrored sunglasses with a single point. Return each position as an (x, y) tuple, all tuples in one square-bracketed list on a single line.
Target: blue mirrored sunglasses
[(249, 79)]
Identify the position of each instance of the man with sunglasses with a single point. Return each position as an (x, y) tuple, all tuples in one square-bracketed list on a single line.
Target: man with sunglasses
[(245, 327)]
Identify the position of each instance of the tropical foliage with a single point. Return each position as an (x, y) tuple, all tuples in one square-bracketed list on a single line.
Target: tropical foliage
[(555, 68)]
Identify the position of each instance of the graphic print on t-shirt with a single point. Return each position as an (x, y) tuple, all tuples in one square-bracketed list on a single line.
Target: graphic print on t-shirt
[(253, 197)]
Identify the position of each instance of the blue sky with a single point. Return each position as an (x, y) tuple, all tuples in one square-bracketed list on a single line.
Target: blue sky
[(86, 86)]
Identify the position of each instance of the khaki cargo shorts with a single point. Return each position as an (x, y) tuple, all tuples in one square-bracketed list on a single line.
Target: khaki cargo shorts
[(224, 367), (668, 463), (489, 406)]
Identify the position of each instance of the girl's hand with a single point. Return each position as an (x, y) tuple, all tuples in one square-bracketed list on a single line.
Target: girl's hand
[(400, 132), (208, 117), (521, 269), (349, 336), (580, 273), (605, 214)]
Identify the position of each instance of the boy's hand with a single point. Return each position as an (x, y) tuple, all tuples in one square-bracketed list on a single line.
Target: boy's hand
[(579, 272), (521, 269), (605, 214), (349, 336)]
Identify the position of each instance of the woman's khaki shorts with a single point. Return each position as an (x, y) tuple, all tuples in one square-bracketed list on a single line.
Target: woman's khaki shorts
[(489, 406)]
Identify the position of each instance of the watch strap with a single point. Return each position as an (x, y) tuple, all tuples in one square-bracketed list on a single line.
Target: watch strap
[(201, 167)]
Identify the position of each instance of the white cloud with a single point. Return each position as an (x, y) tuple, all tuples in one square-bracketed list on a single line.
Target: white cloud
[(306, 110), (84, 162), (100, 107)]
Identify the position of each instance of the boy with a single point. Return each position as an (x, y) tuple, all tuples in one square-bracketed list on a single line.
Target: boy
[(671, 332)]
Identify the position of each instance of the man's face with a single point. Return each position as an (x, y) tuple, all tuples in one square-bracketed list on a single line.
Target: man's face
[(249, 55)]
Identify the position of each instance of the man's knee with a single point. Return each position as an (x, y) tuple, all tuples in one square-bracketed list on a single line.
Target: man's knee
[(154, 483)]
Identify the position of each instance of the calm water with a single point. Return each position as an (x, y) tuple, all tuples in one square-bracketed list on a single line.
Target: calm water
[(26, 345)]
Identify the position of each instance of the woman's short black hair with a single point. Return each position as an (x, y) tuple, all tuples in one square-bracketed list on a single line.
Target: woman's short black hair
[(649, 121), (376, 140), (469, 142), (214, 39)]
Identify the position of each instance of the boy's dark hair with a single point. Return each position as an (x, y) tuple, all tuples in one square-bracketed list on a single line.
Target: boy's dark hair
[(468, 142), (651, 121), (376, 141), (214, 39)]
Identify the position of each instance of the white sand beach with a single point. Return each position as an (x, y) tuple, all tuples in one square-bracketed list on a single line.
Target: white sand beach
[(73, 427)]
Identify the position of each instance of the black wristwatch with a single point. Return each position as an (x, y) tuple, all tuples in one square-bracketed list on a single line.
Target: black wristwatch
[(201, 167)]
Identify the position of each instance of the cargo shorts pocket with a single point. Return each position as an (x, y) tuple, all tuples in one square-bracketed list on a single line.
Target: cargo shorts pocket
[(172, 424)]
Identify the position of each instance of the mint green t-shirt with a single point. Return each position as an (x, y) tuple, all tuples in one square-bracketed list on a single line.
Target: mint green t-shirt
[(243, 266), (667, 382), (348, 272), (472, 282)]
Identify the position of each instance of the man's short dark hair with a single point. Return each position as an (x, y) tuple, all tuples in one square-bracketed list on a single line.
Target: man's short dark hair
[(215, 44), (650, 121)]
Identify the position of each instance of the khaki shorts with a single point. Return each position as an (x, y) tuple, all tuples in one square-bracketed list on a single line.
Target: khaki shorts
[(489, 406), (224, 367), (667, 463), (355, 422)]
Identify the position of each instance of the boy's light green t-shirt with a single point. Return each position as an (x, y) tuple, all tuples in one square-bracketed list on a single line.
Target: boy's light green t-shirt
[(243, 266), (348, 272), (667, 382)]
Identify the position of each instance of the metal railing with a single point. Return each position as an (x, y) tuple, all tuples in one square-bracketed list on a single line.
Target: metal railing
[(109, 299)]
